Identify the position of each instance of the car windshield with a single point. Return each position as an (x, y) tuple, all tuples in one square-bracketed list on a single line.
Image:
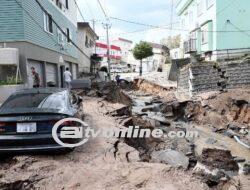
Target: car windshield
[(42, 101)]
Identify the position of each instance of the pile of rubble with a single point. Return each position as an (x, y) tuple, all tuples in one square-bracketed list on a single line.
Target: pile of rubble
[(224, 114)]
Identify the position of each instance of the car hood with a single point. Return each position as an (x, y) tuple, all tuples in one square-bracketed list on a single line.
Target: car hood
[(34, 111)]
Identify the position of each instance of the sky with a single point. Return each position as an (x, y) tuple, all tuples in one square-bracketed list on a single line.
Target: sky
[(152, 12)]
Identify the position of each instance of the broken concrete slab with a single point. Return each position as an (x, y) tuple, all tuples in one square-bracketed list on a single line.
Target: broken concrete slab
[(159, 117), (151, 108), (171, 157), (239, 159), (211, 141), (219, 158), (246, 168), (123, 111), (212, 177)]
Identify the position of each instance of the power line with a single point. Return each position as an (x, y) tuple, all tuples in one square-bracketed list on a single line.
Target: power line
[(225, 31), (37, 23), (63, 32), (90, 9), (102, 8), (167, 28), (79, 10), (242, 31), (135, 31), (44, 10), (148, 25), (224, 8)]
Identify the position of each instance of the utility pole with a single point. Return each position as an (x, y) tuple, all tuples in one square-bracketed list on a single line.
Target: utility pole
[(107, 26), (172, 13), (93, 24)]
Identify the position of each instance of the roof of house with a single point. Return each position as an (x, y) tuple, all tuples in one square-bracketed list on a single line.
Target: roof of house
[(125, 40), (158, 46), (105, 46), (86, 25)]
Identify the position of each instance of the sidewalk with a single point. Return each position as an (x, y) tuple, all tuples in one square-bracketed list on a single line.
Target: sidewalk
[(159, 78)]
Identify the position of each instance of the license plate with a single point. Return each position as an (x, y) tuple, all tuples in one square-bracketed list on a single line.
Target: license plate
[(26, 127)]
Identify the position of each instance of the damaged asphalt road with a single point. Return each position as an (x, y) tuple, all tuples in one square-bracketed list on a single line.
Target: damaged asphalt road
[(214, 160), (100, 164)]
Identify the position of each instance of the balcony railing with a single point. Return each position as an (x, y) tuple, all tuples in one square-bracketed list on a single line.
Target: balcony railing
[(190, 46)]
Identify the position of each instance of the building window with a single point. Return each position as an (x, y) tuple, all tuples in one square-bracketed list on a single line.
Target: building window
[(60, 37), (68, 35), (204, 34), (59, 4), (86, 42), (48, 22), (67, 4), (209, 3), (91, 43)]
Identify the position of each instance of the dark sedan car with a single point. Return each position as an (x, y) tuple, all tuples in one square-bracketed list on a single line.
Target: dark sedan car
[(27, 118)]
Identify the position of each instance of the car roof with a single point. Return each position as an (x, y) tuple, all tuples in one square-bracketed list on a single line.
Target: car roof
[(40, 91)]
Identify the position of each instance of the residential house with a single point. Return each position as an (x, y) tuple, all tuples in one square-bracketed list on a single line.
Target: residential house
[(153, 63), (86, 41), (44, 32), (161, 53), (215, 29), (176, 53)]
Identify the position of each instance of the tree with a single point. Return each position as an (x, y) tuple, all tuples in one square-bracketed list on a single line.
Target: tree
[(141, 51), (171, 42)]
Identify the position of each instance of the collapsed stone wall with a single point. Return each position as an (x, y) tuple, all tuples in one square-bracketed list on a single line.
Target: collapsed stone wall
[(206, 76)]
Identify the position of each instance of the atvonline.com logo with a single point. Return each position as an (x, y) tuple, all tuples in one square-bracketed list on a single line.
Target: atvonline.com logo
[(71, 136)]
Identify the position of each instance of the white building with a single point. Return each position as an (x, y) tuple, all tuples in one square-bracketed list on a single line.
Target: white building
[(115, 55), (86, 40), (214, 29), (126, 46), (153, 63)]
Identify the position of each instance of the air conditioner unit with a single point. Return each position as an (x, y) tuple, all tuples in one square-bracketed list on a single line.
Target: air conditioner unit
[(9, 56)]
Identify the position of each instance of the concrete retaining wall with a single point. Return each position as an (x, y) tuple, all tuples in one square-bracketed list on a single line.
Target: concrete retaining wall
[(7, 90), (203, 77)]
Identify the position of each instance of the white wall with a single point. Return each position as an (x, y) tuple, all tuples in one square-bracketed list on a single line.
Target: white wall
[(84, 62), (176, 53), (125, 48), (70, 13), (191, 19)]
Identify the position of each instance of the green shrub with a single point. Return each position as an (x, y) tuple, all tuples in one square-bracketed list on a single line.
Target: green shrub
[(10, 81)]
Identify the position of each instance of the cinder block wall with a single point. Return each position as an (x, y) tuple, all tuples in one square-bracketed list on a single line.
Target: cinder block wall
[(203, 77)]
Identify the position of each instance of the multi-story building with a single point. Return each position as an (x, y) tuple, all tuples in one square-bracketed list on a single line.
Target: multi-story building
[(86, 40), (44, 32), (126, 46), (115, 54), (215, 29)]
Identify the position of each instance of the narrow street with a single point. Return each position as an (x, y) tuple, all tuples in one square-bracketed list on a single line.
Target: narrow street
[(126, 163), (93, 166), (130, 95)]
